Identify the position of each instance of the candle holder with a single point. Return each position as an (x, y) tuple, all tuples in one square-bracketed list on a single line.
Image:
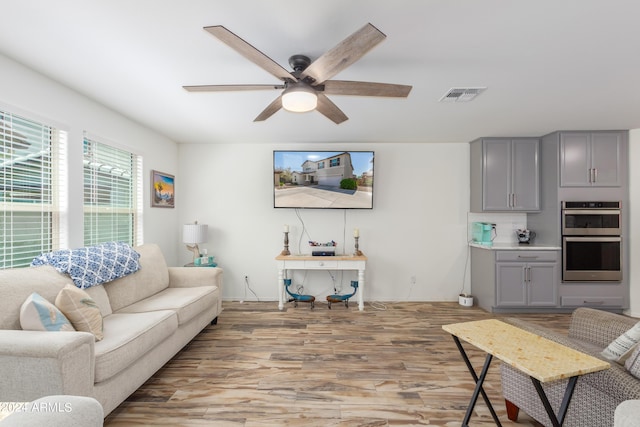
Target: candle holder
[(285, 251), (357, 252)]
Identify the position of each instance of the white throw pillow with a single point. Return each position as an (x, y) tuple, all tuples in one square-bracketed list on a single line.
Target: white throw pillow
[(622, 346), (633, 363), (38, 314), (81, 310)]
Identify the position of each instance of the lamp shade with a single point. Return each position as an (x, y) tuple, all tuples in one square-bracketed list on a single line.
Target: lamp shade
[(194, 233), (299, 98)]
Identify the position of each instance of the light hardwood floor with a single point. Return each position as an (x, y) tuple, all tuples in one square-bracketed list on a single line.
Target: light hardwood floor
[(340, 367)]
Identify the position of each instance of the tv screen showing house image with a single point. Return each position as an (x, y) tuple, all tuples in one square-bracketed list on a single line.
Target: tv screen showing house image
[(323, 179)]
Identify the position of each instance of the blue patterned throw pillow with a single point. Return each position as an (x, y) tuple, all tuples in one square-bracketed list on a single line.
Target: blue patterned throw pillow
[(93, 265)]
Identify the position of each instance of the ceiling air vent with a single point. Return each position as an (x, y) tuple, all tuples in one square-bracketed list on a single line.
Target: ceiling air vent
[(461, 94)]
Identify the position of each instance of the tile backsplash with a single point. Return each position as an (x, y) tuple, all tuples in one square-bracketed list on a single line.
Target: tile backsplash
[(506, 224)]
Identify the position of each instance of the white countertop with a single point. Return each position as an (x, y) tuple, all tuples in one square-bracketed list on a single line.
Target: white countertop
[(515, 247)]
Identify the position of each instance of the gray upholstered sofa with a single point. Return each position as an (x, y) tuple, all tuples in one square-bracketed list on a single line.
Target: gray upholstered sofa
[(148, 316), (597, 394)]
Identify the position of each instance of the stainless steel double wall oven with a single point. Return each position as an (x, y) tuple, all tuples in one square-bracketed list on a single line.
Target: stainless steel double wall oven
[(592, 241)]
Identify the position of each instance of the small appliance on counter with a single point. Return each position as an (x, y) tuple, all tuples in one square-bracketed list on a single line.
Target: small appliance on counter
[(483, 233), (525, 236)]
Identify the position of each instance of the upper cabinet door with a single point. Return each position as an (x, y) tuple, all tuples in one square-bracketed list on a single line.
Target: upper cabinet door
[(496, 174), (575, 159), (590, 159), (525, 175), (605, 159)]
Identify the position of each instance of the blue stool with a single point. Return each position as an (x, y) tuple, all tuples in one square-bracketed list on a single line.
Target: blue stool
[(298, 297), (343, 298)]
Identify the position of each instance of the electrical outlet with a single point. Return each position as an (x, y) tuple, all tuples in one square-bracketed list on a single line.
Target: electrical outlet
[(413, 280)]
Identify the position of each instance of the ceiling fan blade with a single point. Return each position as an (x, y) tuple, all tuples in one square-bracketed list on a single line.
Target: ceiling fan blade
[(225, 88), (270, 110), (343, 87), (342, 55), (330, 110), (250, 52)]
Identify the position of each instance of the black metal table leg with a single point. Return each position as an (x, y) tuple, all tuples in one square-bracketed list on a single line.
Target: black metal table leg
[(558, 420), (479, 381)]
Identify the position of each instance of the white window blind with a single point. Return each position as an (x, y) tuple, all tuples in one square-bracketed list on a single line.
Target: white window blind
[(112, 194), (32, 189)]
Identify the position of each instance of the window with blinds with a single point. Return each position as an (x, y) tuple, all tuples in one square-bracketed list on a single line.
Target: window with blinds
[(32, 189), (112, 194)]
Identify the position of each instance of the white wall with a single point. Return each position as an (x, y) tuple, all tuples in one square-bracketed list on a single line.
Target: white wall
[(32, 95), (417, 227)]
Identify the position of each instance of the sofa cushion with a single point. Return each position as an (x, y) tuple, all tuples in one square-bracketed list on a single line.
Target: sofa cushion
[(38, 314), (128, 336), (152, 277), (621, 347), (186, 302), (16, 284), (81, 310), (99, 295)]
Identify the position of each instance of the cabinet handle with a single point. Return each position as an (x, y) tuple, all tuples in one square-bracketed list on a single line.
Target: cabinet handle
[(595, 174), (515, 201), (528, 256), (593, 302)]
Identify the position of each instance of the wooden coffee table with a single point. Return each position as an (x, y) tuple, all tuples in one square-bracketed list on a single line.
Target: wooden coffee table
[(542, 359)]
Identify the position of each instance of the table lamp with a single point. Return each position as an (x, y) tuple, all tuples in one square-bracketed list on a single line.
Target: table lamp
[(192, 234)]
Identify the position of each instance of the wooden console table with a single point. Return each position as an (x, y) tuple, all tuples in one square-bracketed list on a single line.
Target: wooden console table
[(308, 262), (542, 359)]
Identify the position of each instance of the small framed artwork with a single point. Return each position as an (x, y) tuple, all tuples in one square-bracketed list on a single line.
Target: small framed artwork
[(163, 193)]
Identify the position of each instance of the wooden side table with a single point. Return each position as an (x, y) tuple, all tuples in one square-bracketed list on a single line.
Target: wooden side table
[(309, 262)]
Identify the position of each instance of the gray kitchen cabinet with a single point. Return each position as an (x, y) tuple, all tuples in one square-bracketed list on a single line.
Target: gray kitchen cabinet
[(515, 280), (527, 278), (505, 175), (590, 159)]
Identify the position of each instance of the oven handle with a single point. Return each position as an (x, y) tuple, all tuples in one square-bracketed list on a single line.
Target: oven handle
[(591, 211), (593, 239)]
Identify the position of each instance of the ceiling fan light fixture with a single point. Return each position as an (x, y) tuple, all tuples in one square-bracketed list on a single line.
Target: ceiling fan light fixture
[(299, 98)]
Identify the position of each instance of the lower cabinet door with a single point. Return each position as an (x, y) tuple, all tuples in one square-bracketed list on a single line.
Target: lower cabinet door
[(526, 284), (541, 284), (510, 284)]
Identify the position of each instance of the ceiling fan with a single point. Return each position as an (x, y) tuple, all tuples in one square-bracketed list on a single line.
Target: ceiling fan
[(305, 88)]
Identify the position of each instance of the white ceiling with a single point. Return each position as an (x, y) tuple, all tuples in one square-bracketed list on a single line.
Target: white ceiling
[(548, 64)]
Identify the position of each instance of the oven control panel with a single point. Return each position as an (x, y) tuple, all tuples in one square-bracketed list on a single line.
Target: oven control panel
[(590, 205)]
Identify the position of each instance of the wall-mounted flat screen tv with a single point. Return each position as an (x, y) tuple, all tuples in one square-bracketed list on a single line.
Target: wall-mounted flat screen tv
[(323, 179)]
